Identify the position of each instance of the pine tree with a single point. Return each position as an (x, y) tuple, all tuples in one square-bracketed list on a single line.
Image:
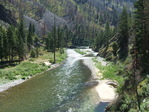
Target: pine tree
[(48, 43), (1, 44), (123, 35), (141, 48), (30, 36), (107, 33), (22, 42), (11, 42), (59, 38), (142, 35), (37, 45), (54, 37), (5, 45)]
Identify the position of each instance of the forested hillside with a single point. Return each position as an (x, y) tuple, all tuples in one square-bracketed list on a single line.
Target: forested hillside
[(128, 49), (83, 17)]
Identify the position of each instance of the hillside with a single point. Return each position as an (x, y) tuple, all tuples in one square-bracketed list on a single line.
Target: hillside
[(90, 15)]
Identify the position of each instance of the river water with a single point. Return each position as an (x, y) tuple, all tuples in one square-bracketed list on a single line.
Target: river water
[(59, 90)]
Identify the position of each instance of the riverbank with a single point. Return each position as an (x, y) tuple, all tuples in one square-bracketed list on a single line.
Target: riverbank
[(12, 76), (106, 92), (9, 84), (105, 89), (61, 89)]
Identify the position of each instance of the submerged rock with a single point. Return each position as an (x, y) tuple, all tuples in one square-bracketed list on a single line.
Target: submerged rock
[(92, 83)]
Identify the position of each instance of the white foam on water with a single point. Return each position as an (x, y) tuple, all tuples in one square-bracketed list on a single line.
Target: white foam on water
[(73, 57)]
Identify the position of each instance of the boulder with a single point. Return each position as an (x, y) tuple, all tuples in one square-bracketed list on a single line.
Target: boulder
[(92, 83), (114, 84)]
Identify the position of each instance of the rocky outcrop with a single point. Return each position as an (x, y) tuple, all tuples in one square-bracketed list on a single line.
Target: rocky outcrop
[(29, 20), (6, 16), (46, 23), (49, 19)]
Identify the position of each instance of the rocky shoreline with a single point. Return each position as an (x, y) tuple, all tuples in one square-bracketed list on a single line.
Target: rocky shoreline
[(104, 88)]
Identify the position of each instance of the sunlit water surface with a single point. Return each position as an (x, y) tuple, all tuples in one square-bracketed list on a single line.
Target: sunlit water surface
[(58, 90)]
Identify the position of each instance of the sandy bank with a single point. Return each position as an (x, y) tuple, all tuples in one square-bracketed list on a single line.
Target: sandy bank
[(8, 85), (106, 92), (90, 64)]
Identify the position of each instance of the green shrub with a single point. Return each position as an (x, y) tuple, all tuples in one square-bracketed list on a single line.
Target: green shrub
[(24, 69), (110, 72), (80, 52), (62, 51), (33, 54)]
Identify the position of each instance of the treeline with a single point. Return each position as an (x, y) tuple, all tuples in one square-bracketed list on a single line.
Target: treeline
[(17, 42), (102, 37), (116, 37), (58, 38), (128, 46), (130, 36)]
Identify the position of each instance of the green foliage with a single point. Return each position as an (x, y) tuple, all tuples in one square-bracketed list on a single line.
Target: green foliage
[(14, 44), (55, 39), (115, 48), (22, 41), (80, 52), (110, 72), (24, 69), (33, 53), (141, 47), (145, 105), (127, 101), (62, 51), (107, 33), (30, 35), (123, 35), (103, 37), (61, 56)]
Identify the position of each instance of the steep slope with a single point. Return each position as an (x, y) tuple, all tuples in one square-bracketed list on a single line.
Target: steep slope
[(83, 17), (6, 16)]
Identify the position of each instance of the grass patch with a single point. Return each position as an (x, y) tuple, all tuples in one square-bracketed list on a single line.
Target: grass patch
[(80, 52), (22, 70), (32, 66), (110, 72), (49, 56)]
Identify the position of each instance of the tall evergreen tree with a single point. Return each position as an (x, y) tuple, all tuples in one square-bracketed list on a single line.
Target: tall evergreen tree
[(142, 35), (30, 36), (5, 45), (11, 42), (123, 35), (22, 42), (54, 36), (59, 36), (107, 33), (1, 44)]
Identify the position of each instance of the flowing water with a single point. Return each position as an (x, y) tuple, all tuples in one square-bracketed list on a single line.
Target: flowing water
[(59, 90)]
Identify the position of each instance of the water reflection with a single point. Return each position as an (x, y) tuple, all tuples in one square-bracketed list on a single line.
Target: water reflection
[(101, 107)]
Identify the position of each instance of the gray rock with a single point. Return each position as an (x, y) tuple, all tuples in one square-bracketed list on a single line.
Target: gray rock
[(114, 84), (92, 83)]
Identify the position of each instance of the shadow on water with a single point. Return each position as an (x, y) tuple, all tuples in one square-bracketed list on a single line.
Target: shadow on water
[(101, 107)]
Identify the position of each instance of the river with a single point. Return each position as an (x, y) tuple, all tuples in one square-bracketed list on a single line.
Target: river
[(59, 90)]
